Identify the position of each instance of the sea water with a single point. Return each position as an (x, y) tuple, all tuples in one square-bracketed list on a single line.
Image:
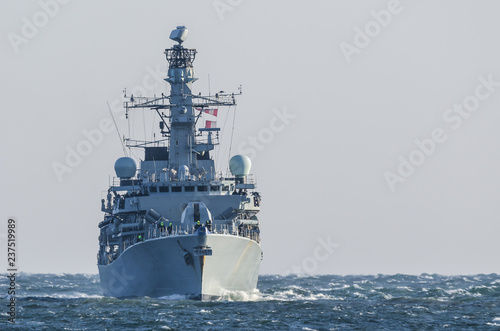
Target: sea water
[(328, 302)]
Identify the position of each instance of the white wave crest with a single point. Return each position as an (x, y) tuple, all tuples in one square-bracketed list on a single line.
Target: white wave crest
[(240, 295)]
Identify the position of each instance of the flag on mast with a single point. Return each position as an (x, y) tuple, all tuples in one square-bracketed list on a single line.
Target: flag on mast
[(209, 124), (208, 111), (212, 111)]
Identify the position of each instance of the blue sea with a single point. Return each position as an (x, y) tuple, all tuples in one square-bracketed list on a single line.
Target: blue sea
[(381, 302)]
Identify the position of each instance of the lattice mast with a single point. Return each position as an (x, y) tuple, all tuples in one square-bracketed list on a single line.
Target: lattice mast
[(179, 125), (182, 112)]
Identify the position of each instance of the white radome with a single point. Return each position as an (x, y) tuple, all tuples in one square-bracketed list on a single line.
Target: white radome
[(240, 165), (125, 167)]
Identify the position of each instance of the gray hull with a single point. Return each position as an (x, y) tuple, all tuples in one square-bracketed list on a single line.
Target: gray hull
[(157, 267)]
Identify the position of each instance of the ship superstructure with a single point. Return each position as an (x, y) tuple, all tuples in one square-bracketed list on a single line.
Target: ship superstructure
[(175, 225)]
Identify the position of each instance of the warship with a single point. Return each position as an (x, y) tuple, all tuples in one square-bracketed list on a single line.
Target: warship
[(176, 225)]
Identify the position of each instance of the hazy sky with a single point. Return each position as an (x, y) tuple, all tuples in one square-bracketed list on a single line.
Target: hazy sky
[(372, 125)]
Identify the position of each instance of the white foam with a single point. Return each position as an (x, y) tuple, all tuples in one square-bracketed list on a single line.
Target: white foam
[(294, 292), (421, 307), (241, 296), (360, 295), (493, 324), (334, 284), (405, 288), (426, 276), (461, 291)]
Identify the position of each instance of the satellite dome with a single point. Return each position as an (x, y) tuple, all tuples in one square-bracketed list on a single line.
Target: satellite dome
[(240, 165), (125, 167)]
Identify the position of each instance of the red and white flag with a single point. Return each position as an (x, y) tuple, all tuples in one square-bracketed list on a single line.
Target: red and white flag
[(211, 111), (209, 124)]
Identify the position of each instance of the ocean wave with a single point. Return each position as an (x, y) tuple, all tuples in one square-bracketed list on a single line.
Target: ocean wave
[(174, 297), (295, 293), (393, 302), (240, 296), (74, 295)]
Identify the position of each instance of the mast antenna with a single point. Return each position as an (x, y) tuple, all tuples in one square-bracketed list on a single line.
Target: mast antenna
[(231, 141), (117, 131)]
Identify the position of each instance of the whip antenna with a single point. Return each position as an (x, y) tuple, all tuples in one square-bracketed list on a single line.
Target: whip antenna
[(117, 131)]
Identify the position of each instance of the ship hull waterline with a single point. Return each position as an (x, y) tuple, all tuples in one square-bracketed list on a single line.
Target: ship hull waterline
[(158, 268)]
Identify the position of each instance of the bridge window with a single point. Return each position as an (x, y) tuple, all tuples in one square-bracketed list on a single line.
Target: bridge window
[(189, 189), (153, 189), (163, 188), (215, 188), (202, 188), (225, 188), (176, 189)]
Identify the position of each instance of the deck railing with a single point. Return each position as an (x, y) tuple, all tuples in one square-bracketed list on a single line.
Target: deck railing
[(153, 232), (225, 229)]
